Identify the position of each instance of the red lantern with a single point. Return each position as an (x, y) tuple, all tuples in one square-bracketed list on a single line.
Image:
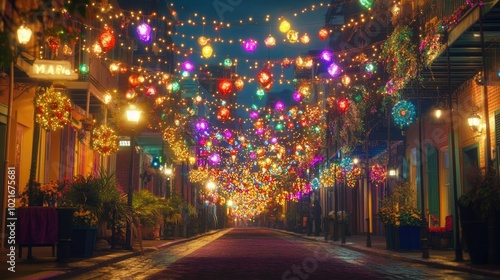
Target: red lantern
[(123, 69), (223, 114), (323, 33), (265, 77), (343, 105), (133, 80), (107, 40), (225, 86)]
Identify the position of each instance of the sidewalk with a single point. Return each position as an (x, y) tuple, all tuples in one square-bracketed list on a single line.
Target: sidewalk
[(441, 259), (44, 266)]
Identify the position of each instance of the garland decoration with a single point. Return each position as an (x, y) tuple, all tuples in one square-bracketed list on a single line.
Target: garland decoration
[(104, 140), (404, 113), (53, 109)]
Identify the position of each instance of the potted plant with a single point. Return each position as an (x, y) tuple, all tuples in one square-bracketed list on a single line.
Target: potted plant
[(84, 232), (401, 219), (479, 210), (150, 210)]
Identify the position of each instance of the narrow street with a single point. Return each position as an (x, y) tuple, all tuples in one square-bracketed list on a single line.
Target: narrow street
[(258, 253)]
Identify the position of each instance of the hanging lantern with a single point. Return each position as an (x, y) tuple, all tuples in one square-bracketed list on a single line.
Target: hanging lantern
[(223, 114), (201, 125), (264, 77), (97, 49), (260, 93), (297, 96), (173, 87), (107, 39), (130, 94), (305, 39), (333, 70), (238, 84), (225, 87), (113, 68), (150, 91), (202, 41), (279, 106), (286, 63), (370, 68), (144, 32), (53, 43), (254, 115), (270, 41), (299, 61), (284, 26), (258, 124), (207, 51), (308, 62), (23, 34), (249, 45), (67, 50), (326, 56), (228, 63), (165, 78), (346, 80), (323, 33), (292, 36), (305, 90), (187, 66), (268, 86), (133, 80), (104, 140), (366, 3), (343, 105)]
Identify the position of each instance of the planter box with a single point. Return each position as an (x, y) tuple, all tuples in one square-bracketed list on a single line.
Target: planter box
[(83, 241), (404, 238)]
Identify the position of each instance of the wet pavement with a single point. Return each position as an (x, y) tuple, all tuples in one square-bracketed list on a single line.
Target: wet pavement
[(254, 253)]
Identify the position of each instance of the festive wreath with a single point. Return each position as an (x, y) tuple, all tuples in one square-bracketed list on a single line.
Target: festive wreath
[(53, 109), (104, 140), (377, 174), (404, 113)]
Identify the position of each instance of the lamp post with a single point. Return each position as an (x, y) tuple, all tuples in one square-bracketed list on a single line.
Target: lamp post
[(168, 172), (133, 116)]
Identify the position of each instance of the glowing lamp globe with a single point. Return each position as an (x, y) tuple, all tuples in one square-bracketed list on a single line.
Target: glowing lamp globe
[(133, 80), (305, 90), (144, 32), (284, 26), (207, 51), (238, 84), (333, 70), (292, 36), (225, 86), (123, 69), (346, 80), (223, 114), (202, 41), (23, 34), (228, 63), (279, 127), (130, 94), (370, 68), (249, 45), (279, 106), (326, 56), (84, 69), (305, 39), (286, 62), (270, 41), (323, 33), (187, 66)]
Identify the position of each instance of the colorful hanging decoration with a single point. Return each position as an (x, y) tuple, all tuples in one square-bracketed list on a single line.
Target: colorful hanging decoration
[(207, 51), (238, 84), (249, 45), (228, 63), (284, 26), (53, 109), (225, 87), (292, 36), (53, 43), (286, 62), (133, 80), (144, 32), (404, 113), (264, 77), (84, 69), (114, 68), (67, 50), (343, 105), (366, 3), (202, 41), (260, 93), (270, 41), (378, 174), (326, 56), (223, 114), (187, 66), (107, 40), (333, 70), (104, 140), (323, 33), (305, 39)]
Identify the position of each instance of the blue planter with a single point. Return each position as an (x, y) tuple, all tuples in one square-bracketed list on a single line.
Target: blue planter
[(390, 237), (409, 238), (83, 241)]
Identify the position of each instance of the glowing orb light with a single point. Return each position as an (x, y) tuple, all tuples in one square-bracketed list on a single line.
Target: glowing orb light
[(323, 33), (270, 41), (249, 45), (207, 51), (144, 32), (279, 106), (326, 56), (284, 26), (333, 70), (188, 66)]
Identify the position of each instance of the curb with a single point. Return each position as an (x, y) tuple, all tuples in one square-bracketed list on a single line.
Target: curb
[(105, 261)]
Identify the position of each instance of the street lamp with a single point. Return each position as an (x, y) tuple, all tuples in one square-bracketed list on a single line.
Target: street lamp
[(133, 116), (168, 172)]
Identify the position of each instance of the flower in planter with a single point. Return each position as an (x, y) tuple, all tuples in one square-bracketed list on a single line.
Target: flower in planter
[(84, 218), (399, 209)]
